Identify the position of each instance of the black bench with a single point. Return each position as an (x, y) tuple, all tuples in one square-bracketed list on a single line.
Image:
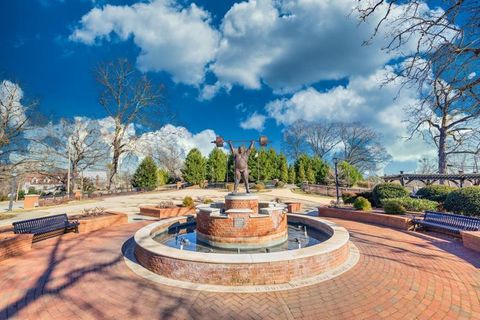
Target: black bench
[(452, 223), (45, 227)]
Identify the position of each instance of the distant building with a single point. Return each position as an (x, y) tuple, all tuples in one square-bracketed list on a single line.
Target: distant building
[(48, 183)]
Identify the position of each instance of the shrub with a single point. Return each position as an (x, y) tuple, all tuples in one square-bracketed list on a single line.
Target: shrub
[(3, 197), (207, 201), (411, 204), (280, 184), (367, 195), (187, 201), (32, 190), (388, 191), (21, 195), (393, 207), (437, 193), (349, 197), (464, 201), (363, 184), (166, 204), (362, 204), (230, 187), (259, 186)]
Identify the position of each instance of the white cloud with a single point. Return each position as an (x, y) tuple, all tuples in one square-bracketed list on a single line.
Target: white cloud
[(172, 38), (255, 121), (179, 136), (11, 107), (288, 44), (364, 100)]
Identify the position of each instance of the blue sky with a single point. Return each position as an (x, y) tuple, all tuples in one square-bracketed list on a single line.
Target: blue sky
[(241, 70)]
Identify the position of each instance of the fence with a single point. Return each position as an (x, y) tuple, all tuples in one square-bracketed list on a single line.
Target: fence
[(330, 190)]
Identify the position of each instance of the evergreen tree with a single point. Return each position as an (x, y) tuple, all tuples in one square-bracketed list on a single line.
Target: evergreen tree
[(291, 175), (273, 166), (231, 168), (216, 165), (146, 176), (253, 165), (320, 169), (195, 167), (301, 165), (163, 177), (348, 174), (265, 165), (283, 168), (310, 174)]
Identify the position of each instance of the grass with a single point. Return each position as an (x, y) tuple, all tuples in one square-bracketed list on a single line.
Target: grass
[(4, 216)]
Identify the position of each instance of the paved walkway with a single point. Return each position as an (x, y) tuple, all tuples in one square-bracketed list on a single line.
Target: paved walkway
[(400, 275), (130, 203)]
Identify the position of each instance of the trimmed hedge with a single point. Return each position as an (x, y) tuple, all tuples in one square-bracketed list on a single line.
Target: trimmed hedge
[(388, 191), (464, 201), (188, 202), (393, 207), (362, 204), (411, 204), (437, 193)]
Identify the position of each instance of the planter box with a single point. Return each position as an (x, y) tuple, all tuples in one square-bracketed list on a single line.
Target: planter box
[(163, 213), (293, 207), (394, 221), (12, 245), (97, 223), (471, 239), (31, 201)]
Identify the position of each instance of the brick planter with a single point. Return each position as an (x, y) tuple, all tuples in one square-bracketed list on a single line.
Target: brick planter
[(163, 213), (394, 221), (471, 239), (31, 201), (12, 245), (97, 223), (293, 207)]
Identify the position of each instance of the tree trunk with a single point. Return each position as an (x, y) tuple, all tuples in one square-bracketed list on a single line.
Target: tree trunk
[(442, 156), (113, 169)]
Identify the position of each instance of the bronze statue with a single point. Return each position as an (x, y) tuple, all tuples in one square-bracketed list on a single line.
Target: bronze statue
[(240, 157)]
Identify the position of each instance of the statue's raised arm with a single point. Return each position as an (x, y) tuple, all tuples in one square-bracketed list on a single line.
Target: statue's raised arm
[(232, 149), (250, 148)]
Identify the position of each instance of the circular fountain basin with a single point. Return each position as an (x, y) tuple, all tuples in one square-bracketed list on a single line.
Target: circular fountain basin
[(244, 269)]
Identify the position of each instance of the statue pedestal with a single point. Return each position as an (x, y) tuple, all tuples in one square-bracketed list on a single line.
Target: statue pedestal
[(242, 225)]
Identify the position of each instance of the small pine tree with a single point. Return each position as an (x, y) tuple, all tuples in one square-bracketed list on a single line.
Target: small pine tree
[(310, 174), (163, 177), (216, 165), (291, 175), (146, 175), (195, 167), (283, 168), (301, 176)]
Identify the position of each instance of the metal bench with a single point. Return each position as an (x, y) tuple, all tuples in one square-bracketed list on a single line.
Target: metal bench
[(45, 227), (451, 223)]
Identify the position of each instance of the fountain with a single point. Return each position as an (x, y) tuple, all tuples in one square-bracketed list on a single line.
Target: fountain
[(242, 242)]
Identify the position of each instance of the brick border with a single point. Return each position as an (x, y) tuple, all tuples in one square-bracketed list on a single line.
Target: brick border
[(163, 213), (471, 239), (398, 222), (12, 245), (243, 269), (114, 219)]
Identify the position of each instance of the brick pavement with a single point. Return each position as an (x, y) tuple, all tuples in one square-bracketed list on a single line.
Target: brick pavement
[(400, 275)]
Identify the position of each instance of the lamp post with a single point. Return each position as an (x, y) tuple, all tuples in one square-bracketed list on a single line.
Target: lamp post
[(258, 166), (69, 166), (335, 161), (12, 190)]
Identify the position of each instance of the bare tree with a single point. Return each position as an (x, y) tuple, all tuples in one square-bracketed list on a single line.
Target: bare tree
[(322, 137), (441, 57), (15, 112), (361, 147), (126, 97), (169, 156), (294, 139), (447, 120)]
